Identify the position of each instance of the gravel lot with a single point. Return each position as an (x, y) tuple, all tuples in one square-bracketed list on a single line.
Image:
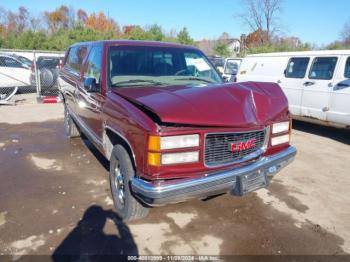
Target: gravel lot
[(54, 197)]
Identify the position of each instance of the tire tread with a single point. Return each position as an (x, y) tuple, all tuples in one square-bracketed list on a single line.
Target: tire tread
[(134, 210)]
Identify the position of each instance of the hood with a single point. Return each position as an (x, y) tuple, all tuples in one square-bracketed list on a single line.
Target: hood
[(227, 105)]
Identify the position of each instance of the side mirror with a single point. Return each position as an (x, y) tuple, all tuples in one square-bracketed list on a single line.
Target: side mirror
[(341, 85), (234, 72), (91, 86), (285, 72), (225, 78)]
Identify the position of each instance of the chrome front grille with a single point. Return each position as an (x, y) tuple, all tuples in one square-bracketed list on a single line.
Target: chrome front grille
[(218, 147)]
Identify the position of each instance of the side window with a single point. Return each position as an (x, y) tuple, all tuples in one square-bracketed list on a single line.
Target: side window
[(2, 61), (94, 63), (347, 68), (9, 62), (76, 57), (68, 58), (323, 68), (297, 67)]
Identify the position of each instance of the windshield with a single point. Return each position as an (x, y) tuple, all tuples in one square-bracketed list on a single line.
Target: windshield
[(162, 66), (232, 67)]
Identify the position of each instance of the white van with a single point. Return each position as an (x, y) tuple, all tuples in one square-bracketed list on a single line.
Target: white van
[(316, 83)]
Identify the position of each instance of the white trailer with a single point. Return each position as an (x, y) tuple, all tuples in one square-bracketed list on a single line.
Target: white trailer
[(316, 83)]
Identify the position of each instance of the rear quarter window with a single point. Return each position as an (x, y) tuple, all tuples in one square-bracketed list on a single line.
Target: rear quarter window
[(323, 68), (297, 67), (347, 68), (76, 57)]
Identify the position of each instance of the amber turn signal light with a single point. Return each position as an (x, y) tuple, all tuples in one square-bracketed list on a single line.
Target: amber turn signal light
[(154, 143), (154, 159)]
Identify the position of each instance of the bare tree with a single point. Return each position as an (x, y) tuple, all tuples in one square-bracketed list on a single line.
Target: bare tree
[(23, 17), (262, 16), (82, 16), (345, 33), (224, 36), (71, 17), (35, 23)]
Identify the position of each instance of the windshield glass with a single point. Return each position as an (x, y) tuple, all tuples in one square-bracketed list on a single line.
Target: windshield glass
[(162, 66), (232, 67)]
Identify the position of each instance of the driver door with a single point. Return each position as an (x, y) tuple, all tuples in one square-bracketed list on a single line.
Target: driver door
[(292, 82), (339, 108), (318, 87)]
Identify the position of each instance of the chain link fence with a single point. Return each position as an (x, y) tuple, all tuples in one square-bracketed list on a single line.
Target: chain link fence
[(24, 72)]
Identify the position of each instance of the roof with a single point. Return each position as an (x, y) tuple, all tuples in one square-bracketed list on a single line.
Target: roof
[(8, 55), (138, 43), (304, 53)]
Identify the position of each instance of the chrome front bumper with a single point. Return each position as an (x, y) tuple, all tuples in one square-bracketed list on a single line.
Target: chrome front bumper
[(238, 181)]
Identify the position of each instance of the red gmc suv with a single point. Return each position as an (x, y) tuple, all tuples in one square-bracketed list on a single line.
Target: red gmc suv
[(170, 127)]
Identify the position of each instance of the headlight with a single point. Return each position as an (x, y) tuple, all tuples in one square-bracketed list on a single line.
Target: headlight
[(173, 142), (179, 158), (280, 127), (279, 140), (158, 143)]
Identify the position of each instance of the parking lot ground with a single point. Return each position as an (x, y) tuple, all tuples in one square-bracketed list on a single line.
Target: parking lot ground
[(54, 199)]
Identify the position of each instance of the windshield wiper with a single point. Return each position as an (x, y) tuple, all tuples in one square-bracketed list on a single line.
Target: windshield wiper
[(134, 81), (197, 79)]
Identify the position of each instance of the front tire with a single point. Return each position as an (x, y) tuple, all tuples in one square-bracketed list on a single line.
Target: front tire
[(70, 127), (120, 173)]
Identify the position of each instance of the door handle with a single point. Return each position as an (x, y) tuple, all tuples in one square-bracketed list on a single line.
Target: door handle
[(340, 86), (308, 83), (343, 85)]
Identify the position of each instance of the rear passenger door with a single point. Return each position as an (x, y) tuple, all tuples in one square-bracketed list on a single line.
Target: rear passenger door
[(70, 76), (292, 84), (91, 101), (339, 105), (318, 86)]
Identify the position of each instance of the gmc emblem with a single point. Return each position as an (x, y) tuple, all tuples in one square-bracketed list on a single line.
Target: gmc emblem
[(244, 145)]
